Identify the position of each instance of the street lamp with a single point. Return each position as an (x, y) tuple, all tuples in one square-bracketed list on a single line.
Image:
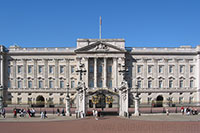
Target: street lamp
[(81, 71), (67, 102)]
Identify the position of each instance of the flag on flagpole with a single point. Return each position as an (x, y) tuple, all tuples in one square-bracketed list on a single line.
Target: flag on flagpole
[(100, 21)]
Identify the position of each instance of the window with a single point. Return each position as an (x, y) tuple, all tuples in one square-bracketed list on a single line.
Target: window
[(109, 69), (29, 69), (110, 84), (181, 68), (160, 84), (61, 84), (139, 85), (19, 84), (149, 84), (40, 69), (19, 69), (72, 69), (72, 84), (160, 69), (139, 69), (170, 84), (19, 100), (61, 69), (9, 84), (191, 69), (29, 84), (180, 100), (50, 84), (50, 69), (40, 84), (91, 84), (100, 83), (91, 69), (181, 84), (150, 69), (170, 69), (100, 69), (191, 83), (149, 100), (61, 100), (191, 100)]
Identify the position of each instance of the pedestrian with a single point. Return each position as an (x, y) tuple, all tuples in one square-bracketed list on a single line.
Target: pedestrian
[(93, 112), (58, 111), (15, 113), (3, 112), (182, 110), (42, 115), (167, 112), (63, 112), (96, 115), (45, 114)]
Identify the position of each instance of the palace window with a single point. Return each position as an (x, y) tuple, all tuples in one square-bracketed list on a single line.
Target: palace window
[(109, 69), (180, 100), (139, 69), (50, 84), (91, 84), (72, 84), (72, 69), (29, 84), (9, 70), (19, 84), (29, 69), (149, 84), (61, 84), (61, 69), (160, 83), (100, 69), (139, 84), (40, 83), (150, 69), (61, 100), (50, 69), (181, 84), (170, 83), (191, 69), (170, 69), (191, 83), (40, 69), (110, 84), (160, 69), (91, 68), (149, 100), (9, 84), (181, 68), (191, 100), (100, 83), (19, 100), (19, 69)]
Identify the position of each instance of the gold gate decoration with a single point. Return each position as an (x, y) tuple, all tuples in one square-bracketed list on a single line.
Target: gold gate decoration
[(109, 99), (95, 99)]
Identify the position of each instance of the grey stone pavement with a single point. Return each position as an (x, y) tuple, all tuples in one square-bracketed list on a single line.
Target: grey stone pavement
[(144, 117)]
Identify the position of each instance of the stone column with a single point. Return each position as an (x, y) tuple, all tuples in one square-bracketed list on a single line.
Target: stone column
[(105, 73), (25, 73), (197, 70), (115, 73), (68, 102), (176, 73), (166, 72), (46, 73), (56, 73), (136, 99), (155, 72), (35, 73), (14, 73), (145, 73), (67, 70), (187, 73), (87, 72), (95, 72)]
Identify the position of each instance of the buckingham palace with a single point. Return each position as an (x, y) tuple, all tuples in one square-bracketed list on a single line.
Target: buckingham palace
[(31, 76)]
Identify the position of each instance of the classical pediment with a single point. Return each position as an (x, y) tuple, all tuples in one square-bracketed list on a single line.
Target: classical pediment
[(100, 47)]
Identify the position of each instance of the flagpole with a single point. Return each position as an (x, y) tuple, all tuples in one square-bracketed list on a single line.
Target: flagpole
[(100, 22)]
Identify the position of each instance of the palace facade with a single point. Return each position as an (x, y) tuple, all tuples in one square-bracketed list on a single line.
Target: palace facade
[(163, 76)]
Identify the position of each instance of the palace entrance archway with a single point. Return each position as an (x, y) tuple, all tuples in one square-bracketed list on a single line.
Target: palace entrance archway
[(40, 101), (159, 101)]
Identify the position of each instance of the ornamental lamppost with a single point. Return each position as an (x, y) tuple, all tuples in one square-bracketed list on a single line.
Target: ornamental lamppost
[(1, 97), (136, 98), (67, 102), (81, 70)]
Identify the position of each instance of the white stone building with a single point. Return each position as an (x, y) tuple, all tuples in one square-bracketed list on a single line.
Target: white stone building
[(163, 75)]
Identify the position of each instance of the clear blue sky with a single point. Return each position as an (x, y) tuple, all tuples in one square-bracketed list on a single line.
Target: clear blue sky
[(58, 23)]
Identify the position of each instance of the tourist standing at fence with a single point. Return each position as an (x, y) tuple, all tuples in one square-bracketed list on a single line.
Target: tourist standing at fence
[(58, 112), (182, 110), (3, 112)]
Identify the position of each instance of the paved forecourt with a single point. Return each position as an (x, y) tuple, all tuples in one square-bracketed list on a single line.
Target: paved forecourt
[(107, 124)]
